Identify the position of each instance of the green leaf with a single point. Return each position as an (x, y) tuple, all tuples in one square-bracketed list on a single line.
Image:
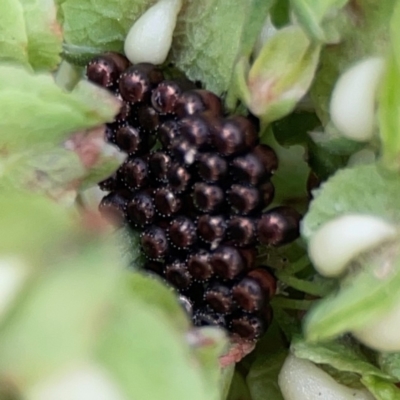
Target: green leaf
[(262, 379), (211, 35), (312, 13), (389, 100), (282, 73), (364, 32), (390, 364), (239, 389), (43, 169), (290, 179), (362, 189), (162, 298), (149, 358), (362, 297), (389, 121), (90, 27), (33, 109), (280, 13), (343, 355), (28, 219), (62, 312), (295, 127), (333, 142), (380, 388), (30, 33)]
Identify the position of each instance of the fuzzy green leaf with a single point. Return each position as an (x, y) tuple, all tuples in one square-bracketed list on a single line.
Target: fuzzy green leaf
[(33, 109), (362, 189), (91, 27), (149, 358), (364, 32), (343, 355), (311, 14), (390, 363), (389, 105), (154, 292), (211, 34), (381, 388), (366, 295), (30, 33)]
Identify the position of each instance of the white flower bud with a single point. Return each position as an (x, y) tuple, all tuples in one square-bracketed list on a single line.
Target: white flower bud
[(302, 380), (339, 241), (353, 99), (86, 382), (382, 333), (150, 37)]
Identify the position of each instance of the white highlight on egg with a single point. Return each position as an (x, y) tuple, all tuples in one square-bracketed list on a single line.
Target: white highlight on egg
[(86, 382), (150, 37), (302, 380), (352, 105), (338, 241), (382, 333)]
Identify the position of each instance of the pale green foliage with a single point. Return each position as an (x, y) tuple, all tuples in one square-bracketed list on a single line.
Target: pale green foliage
[(30, 33)]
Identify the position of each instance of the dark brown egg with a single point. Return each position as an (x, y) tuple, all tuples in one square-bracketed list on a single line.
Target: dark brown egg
[(178, 178), (136, 83), (279, 226), (237, 135), (167, 132), (266, 279), (159, 164), (166, 202), (248, 326), (248, 169), (140, 210), (313, 182), (249, 295), (183, 151), (196, 130), (128, 139), (227, 262), (148, 118), (199, 265), (243, 198), (104, 70), (154, 267), (111, 183), (182, 232), (198, 101), (249, 256), (113, 207), (267, 192), (212, 167), (241, 231), (135, 173), (206, 197), (178, 275), (165, 96), (206, 317), (211, 228), (154, 243), (124, 110), (219, 298), (267, 156)]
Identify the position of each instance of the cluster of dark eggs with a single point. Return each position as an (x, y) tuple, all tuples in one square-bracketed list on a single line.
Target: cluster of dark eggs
[(195, 185)]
